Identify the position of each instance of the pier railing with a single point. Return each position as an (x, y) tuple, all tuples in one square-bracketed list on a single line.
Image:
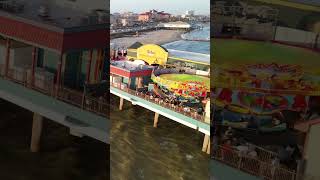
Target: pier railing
[(190, 112), (49, 87), (252, 165)]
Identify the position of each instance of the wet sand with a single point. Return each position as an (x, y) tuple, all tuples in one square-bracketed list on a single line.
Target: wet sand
[(152, 37)]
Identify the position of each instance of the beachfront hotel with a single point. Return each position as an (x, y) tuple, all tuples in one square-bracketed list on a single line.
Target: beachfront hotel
[(52, 62)]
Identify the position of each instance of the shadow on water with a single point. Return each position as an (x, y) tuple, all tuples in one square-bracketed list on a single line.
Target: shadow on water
[(62, 156), (139, 151)]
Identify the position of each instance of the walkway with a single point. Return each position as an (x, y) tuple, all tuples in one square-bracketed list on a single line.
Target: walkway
[(166, 112), (219, 171), (77, 119)]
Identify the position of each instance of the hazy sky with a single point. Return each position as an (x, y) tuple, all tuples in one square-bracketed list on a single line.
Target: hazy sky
[(170, 6)]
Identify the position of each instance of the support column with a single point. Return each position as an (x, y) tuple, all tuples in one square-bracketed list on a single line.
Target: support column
[(121, 104), (209, 146), (33, 66), (96, 68), (129, 83), (59, 71), (156, 119), (206, 142), (89, 66), (140, 82), (36, 132), (7, 62)]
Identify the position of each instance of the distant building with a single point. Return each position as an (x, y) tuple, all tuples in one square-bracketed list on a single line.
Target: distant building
[(190, 13), (128, 22), (145, 17), (175, 25), (154, 15)]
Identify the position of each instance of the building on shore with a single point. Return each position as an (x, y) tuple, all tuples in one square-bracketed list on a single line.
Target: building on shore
[(154, 15), (175, 25)]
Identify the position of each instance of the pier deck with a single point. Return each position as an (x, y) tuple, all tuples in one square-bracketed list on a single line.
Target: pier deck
[(219, 171), (77, 119), (178, 117)]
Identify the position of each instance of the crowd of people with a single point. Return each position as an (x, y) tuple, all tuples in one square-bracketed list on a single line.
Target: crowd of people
[(230, 147), (176, 102)]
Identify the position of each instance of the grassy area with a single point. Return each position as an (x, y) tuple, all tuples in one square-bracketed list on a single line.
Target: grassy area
[(186, 78), (232, 51)]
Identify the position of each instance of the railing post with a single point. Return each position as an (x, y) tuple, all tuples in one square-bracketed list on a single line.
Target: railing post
[(293, 175), (7, 62), (261, 169), (59, 71), (89, 66), (33, 67), (240, 161)]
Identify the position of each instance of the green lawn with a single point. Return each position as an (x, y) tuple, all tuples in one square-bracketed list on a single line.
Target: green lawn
[(232, 51), (186, 78)]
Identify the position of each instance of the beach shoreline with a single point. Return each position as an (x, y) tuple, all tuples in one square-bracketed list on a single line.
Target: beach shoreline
[(152, 37)]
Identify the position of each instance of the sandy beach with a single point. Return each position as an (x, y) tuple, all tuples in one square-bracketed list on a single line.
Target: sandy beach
[(152, 37)]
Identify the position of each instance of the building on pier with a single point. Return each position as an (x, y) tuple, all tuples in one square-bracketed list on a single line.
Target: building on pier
[(156, 54), (130, 74), (50, 52)]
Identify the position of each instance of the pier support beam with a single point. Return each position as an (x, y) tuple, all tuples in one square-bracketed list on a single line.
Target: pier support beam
[(34, 64), (88, 71), (121, 104), (140, 82), (7, 60), (59, 72), (36, 132), (156, 119), (206, 144)]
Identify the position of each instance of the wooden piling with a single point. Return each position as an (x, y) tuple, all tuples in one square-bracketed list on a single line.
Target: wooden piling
[(121, 104), (36, 132), (206, 142), (156, 119), (208, 147)]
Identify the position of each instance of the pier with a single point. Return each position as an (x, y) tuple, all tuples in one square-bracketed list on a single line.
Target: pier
[(40, 70), (136, 82), (190, 119), (80, 122)]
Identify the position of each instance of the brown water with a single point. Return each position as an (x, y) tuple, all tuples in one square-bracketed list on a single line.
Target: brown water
[(62, 156), (139, 151)]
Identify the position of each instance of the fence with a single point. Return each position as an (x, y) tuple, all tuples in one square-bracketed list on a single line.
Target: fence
[(252, 165), (177, 108), (245, 22), (240, 86), (297, 37), (48, 87)]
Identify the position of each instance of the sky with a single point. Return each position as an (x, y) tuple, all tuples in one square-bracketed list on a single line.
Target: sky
[(171, 6)]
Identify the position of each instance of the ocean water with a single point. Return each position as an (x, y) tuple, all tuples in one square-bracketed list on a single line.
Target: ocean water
[(138, 151), (61, 156), (193, 46)]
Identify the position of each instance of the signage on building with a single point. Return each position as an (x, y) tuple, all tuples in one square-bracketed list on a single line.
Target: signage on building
[(153, 54)]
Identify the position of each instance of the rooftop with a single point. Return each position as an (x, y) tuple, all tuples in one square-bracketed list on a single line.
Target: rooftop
[(51, 15), (203, 58), (130, 66)]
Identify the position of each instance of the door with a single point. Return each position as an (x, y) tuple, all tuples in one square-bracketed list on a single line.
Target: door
[(72, 70)]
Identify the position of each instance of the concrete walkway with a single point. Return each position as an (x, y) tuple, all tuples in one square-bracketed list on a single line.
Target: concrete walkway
[(219, 171), (78, 120)]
